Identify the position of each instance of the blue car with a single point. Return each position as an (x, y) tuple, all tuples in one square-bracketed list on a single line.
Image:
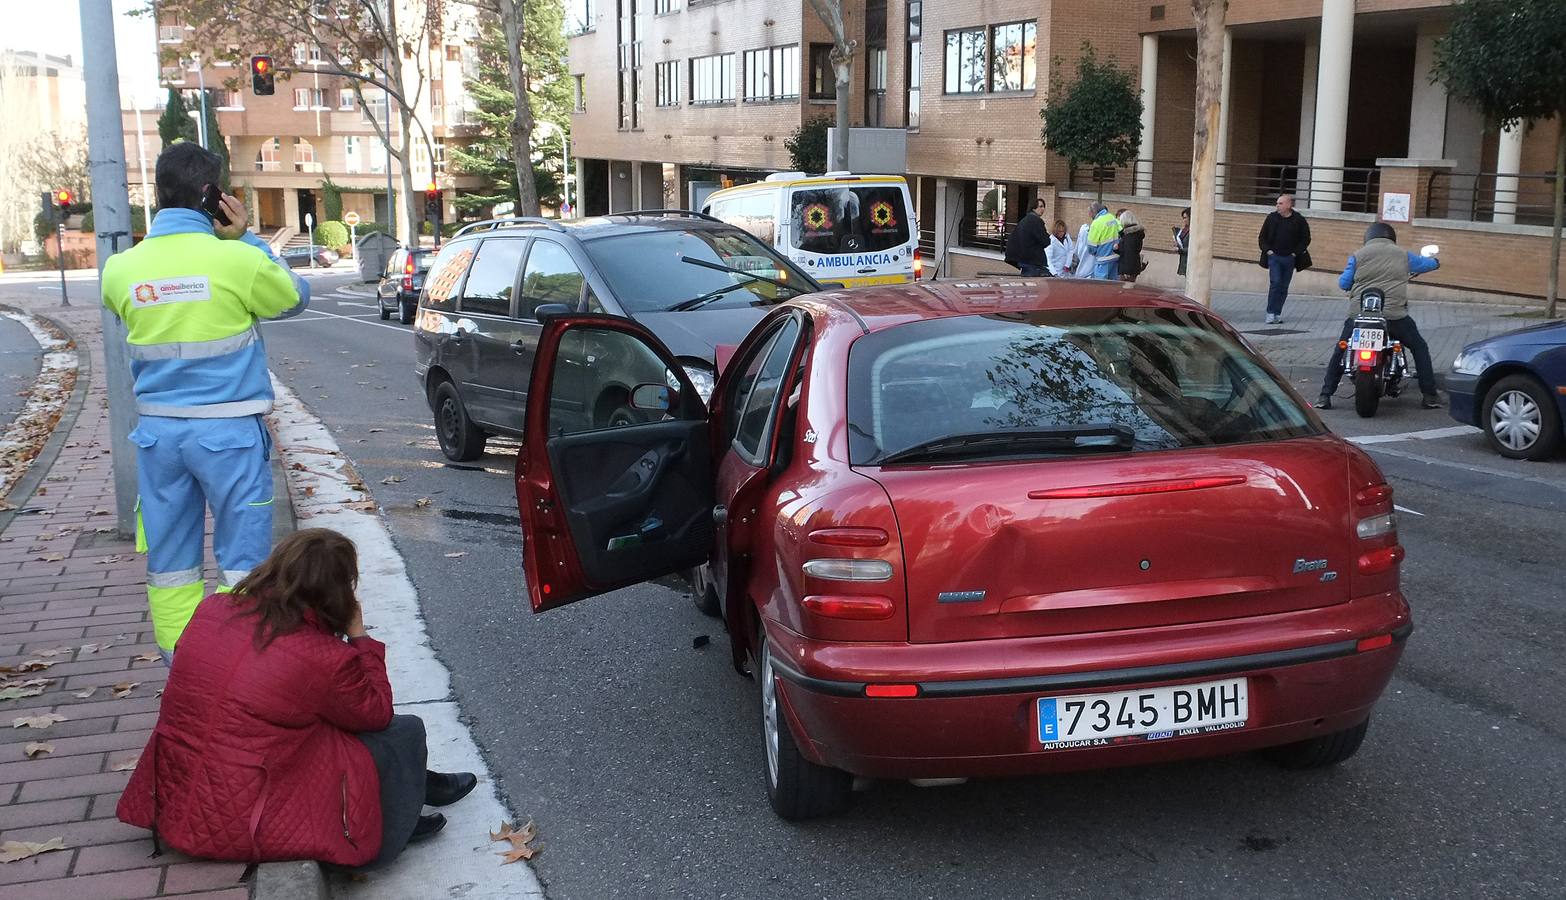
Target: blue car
[(1513, 386)]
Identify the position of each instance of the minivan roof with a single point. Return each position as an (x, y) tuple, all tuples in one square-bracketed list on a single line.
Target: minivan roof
[(807, 180)]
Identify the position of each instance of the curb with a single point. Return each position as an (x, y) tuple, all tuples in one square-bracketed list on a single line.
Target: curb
[(22, 491)]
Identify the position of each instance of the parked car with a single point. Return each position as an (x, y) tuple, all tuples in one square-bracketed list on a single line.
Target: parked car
[(299, 257), (982, 529), (1513, 386), (689, 278), (401, 282)]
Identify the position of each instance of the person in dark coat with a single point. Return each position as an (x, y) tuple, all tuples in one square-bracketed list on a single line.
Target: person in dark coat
[(1284, 242), (1028, 246), (1182, 239), (276, 738), (1132, 235)]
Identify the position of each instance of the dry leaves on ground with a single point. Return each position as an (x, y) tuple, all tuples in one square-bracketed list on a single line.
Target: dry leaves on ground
[(15, 692), (83, 695), (125, 765), (34, 749), (11, 851), (360, 505), (43, 721), (457, 554), (51, 557), (421, 502), (57, 651), (148, 657), (31, 665), (123, 689), (394, 479), (93, 648), (518, 838), (110, 560)]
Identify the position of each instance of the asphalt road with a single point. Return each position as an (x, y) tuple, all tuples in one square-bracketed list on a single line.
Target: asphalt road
[(20, 357), (639, 755)]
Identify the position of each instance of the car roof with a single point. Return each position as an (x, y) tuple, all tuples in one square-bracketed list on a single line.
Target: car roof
[(886, 306), (611, 225)]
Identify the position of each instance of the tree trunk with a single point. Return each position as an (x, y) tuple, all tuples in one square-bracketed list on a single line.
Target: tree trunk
[(1204, 146), (843, 68), (521, 129), (1553, 291), (413, 210)]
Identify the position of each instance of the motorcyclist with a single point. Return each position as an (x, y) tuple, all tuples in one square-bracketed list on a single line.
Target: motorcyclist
[(1382, 265)]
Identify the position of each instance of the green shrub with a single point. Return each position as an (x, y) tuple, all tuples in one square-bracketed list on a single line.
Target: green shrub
[(331, 234)]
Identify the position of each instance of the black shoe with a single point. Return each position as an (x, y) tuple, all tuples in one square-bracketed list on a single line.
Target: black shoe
[(427, 827), (1324, 401), (1431, 401), (444, 789)]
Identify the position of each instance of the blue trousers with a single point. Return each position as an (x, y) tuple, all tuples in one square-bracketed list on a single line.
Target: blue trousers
[(1280, 271), (184, 466)]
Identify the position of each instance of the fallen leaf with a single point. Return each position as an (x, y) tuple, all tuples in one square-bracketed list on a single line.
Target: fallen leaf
[(518, 838), (107, 560), (516, 853), (125, 765), (51, 557), (83, 695), (33, 665), (309, 490), (148, 657), (36, 748), (19, 693), (361, 505), (394, 479), (93, 648), (421, 502), (11, 851), (457, 555), (123, 689), (43, 721), (57, 651)]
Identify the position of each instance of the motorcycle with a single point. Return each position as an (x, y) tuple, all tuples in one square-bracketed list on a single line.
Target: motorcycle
[(1375, 365)]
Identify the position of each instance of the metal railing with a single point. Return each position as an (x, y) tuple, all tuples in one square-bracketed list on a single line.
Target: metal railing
[(1523, 199), (1354, 188), (985, 233)]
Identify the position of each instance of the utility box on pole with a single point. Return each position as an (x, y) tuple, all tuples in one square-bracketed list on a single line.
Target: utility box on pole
[(112, 219)]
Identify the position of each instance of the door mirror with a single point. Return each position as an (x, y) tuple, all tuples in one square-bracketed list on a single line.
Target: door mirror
[(1429, 250), (546, 310), (652, 398)]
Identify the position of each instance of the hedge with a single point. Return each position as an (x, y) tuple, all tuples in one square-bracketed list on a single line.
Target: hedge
[(331, 234)]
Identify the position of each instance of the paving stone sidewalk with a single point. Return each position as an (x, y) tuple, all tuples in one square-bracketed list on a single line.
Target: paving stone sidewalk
[(73, 596)]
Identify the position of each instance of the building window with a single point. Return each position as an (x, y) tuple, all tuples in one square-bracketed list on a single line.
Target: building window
[(823, 81), (772, 73), (301, 54), (269, 157), (915, 60), (378, 157), (453, 53), (1012, 66), (171, 34), (664, 7), (712, 79), (351, 160), (583, 17), (439, 149), (875, 87), (965, 61), (304, 156), (666, 78), (345, 98), (301, 98), (581, 93), (231, 99), (629, 24)]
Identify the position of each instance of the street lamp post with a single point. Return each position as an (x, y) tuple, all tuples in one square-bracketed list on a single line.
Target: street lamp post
[(201, 80)]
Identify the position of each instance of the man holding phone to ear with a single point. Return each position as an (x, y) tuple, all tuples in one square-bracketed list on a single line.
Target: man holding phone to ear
[(190, 296)]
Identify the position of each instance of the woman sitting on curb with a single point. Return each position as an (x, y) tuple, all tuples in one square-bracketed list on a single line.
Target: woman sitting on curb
[(276, 738)]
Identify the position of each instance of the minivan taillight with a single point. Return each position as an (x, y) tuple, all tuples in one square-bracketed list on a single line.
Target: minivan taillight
[(918, 264), (407, 282)]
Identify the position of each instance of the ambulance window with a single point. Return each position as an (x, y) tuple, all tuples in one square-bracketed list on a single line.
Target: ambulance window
[(845, 219)]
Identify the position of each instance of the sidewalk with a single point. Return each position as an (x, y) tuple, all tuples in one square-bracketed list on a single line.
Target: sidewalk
[(73, 620)]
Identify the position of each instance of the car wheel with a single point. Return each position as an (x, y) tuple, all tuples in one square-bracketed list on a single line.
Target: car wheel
[(703, 592), (460, 439), (1367, 396), (405, 312), (797, 787), (1320, 752), (385, 313), (619, 418), (1520, 419)]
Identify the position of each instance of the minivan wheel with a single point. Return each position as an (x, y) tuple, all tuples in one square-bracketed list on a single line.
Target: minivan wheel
[(1520, 419), (460, 439), (1321, 751), (385, 313), (405, 312), (797, 788)]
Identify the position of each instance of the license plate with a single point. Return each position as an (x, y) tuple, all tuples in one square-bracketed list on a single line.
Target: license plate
[(1156, 713), (1368, 339)]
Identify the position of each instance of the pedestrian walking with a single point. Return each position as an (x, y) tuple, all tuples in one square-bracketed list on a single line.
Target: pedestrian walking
[(1028, 243), (190, 295), (1062, 251), (1285, 249), (1132, 234), (1104, 243), (276, 738), (1182, 238)]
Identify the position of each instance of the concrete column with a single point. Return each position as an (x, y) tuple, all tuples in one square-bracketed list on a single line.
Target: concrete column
[(578, 211), (1427, 110), (621, 186), (1223, 112), (649, 186), (1508, 162), (1308, 109), (1144, 165), (1332, 96), (948, 212)]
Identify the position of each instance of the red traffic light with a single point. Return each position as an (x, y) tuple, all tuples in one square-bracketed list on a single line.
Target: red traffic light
[(63, 197), (261, 64), (262, 78), (431, 189)]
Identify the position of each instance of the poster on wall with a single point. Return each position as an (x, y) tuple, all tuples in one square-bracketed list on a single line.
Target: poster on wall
[(1394, 206)]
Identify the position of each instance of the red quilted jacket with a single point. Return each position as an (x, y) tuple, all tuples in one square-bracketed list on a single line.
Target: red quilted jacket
[(254, 756)]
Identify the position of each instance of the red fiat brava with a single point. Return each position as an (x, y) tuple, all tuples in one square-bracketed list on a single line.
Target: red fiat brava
[(985, 528)]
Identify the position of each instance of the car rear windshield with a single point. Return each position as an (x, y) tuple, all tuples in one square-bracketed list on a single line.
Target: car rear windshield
[(422, 261), (660, 270), (1132, 379), (849, 219)]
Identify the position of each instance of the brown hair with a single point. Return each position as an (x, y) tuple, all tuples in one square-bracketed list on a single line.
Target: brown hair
[(315, 570)]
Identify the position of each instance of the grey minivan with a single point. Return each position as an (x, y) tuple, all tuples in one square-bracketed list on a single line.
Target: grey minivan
[(692, 280)]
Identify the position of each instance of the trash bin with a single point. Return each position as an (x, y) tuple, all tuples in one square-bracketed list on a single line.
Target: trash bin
[(371, 253)]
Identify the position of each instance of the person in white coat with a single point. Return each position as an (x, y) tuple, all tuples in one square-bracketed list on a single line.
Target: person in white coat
[(1082, 261), (1062, 251)]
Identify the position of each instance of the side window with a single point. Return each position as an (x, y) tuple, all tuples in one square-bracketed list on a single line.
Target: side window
[(751, 426), (440, 288), (740, 387), (489, 285), (551, 276), (596, 371), (393, 264)]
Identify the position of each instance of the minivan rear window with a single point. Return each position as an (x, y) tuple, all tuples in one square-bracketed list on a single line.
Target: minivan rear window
[(1131, 379), (845, 219)]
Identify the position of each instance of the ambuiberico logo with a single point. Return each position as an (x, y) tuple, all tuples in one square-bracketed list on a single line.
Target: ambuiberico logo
[(184, 289), (146, 293)]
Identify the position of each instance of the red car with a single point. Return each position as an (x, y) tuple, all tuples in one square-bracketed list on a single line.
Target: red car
[(975, 529)]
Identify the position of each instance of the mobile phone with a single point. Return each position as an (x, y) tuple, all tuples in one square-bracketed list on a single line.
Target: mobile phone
[(212, 203)]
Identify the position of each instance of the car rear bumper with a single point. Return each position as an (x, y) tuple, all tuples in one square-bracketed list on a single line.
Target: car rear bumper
[(1464, 401), (972, 718)]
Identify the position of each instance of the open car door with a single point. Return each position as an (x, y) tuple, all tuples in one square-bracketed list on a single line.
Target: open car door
[(615, 476)]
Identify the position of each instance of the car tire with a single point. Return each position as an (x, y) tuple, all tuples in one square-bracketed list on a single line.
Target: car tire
[(460, 439), (385, 313), (1367, 396), (1321, 751), (797, 788), (405, 312), (1520, 419), (619, 417), (703, 592)]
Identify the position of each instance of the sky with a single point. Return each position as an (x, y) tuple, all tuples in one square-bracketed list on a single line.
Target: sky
[(59, 31)]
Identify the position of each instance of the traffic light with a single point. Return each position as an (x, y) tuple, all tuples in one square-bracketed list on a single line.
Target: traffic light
[(63, 199), (432, 202), (261, 76)]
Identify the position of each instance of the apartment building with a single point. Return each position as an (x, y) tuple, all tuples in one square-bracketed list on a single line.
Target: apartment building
[(283, 148), (1329, 99), (40, 94)]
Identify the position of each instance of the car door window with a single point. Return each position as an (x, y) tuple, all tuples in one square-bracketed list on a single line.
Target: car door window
[(446, 274), (751, 427), (492, 277), (551, 276), (393, 265), (596, 371)]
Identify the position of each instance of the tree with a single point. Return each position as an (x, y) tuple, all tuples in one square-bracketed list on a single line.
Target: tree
[(1210, 16), (215, 141), (175, 124), (1095, 120), (807, 146), (831, 14), (362, 42), (1505, 57), (517, 23)]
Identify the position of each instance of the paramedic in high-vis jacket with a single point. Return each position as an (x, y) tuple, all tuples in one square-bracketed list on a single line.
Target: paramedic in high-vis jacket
[(190, 296)]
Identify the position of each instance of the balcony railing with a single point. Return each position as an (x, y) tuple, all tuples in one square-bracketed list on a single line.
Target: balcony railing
[(1525, 199), (1354, 189)]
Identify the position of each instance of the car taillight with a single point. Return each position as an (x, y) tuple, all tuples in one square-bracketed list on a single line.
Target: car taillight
[(407, 282), (407, 267), (1378, 561), (849, 569), (918, 264), (1376, 526), (848, 607)]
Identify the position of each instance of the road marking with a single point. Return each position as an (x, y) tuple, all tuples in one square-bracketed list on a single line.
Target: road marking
[(314, 315), (1412, 512), (360, 305), (1467, 467), (1428, 434)]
